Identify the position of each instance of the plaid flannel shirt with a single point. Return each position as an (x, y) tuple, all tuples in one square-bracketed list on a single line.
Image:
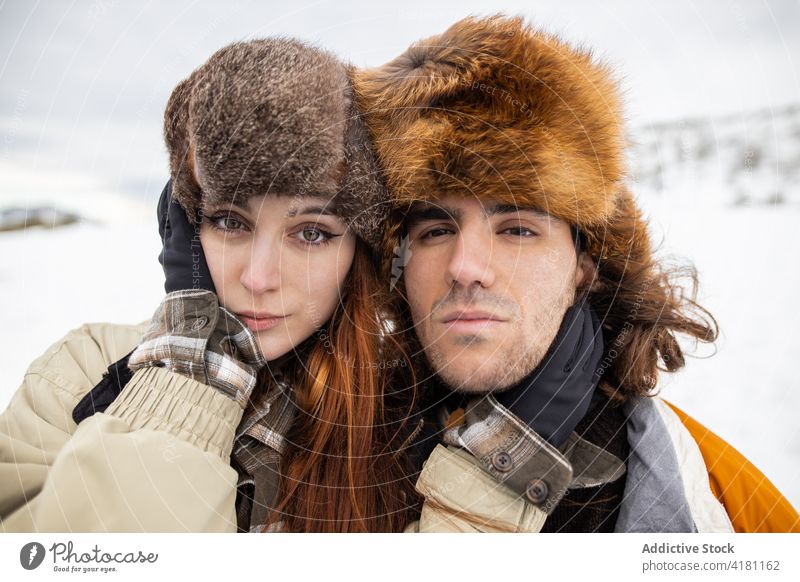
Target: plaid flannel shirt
[(257, 450), (191, 334)]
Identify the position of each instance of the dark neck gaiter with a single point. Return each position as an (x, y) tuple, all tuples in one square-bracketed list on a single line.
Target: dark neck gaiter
[(555, 396)]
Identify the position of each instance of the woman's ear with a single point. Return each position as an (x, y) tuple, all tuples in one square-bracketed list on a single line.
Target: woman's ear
[(585, 271)]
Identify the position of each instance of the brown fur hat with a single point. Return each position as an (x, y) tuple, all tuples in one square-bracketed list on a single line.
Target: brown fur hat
[(496, 109), (273, 116)]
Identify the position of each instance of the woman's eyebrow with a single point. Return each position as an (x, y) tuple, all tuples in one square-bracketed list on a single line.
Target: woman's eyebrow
[(326, 210), (227, 208)]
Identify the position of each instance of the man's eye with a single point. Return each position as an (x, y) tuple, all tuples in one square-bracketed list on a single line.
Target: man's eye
[(435, 232), (519, 231)]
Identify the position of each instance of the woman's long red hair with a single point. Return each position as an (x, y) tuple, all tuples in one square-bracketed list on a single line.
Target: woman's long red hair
[(344, 469)]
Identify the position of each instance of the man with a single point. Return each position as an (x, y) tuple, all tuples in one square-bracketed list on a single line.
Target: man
[(526, 275)]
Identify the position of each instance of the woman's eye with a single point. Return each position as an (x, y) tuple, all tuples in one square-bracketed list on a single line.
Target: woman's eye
[(314, 236), (231, 223), (227, 223)]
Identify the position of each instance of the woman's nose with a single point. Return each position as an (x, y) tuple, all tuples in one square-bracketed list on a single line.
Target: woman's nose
[(261, 272)]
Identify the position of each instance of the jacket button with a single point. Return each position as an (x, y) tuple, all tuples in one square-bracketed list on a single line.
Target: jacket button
[(230, 348), (502, 461), (200, 323), (537, 491)]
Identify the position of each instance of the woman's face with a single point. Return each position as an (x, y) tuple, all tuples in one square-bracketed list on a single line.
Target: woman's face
[(279, 264)]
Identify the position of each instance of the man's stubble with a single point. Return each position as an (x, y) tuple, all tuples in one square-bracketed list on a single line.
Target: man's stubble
[(507, 364)]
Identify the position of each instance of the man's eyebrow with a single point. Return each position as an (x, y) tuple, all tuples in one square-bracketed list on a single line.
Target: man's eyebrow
[(514, 209), (422, 213), (429, 212)]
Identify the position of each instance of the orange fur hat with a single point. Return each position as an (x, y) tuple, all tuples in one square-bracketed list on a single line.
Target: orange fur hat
[(496, 109)]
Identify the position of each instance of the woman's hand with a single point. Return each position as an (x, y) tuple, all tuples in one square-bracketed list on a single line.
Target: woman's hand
[(181, 255), (191, 334)]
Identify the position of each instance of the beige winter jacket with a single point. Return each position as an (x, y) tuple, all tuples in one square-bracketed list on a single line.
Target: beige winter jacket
[(158, 459)]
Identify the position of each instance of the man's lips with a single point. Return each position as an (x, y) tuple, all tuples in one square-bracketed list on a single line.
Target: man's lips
[(470, 315), (470, 320), (260, 321)]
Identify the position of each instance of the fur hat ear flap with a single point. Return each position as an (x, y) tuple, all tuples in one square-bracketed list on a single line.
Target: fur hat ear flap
[(185, 189)]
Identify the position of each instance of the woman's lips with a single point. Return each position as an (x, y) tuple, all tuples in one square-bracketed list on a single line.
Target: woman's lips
[(261, 323)]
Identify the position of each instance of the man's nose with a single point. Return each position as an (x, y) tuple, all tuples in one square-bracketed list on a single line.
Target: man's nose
[(471, 257)]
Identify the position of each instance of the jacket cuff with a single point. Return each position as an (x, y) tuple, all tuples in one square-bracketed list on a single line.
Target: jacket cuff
[(460, 496), (158, 399), (513, 453)]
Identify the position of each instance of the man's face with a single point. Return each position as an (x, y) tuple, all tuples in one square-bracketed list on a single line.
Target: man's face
[(488, 285)]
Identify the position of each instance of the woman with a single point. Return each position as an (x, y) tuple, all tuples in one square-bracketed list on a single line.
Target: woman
[(257, 400)]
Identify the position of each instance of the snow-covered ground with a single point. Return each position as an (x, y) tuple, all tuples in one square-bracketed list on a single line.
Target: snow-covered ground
[(56, 280), (748, 392)]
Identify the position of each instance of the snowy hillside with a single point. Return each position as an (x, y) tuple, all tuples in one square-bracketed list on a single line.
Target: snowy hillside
[(747, 159)]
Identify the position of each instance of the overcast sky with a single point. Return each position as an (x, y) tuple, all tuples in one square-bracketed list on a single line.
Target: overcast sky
[(83, 84)]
